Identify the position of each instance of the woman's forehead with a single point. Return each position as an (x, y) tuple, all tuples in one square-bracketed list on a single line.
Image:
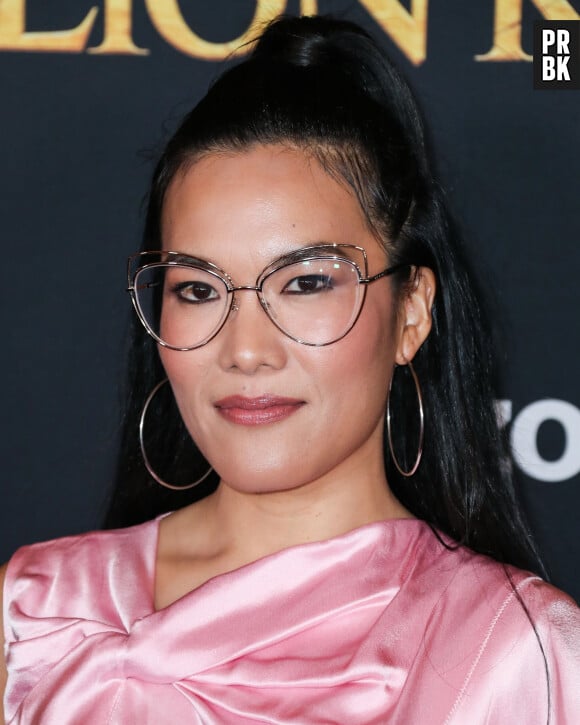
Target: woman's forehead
[(263, 202)]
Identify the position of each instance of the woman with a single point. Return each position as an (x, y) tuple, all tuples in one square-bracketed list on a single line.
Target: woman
[(353, 559)]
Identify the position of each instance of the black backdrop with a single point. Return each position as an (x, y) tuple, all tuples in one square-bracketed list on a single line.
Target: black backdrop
[(77, 131)]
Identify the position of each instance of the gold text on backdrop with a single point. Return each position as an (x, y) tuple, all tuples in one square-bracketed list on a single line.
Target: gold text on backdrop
[(406, 28), (507, 26)]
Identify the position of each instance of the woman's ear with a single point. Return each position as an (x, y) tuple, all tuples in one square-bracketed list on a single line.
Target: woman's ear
[(415, 314)]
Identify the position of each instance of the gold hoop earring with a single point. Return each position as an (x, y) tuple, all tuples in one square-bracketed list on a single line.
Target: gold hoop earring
[(144, 454), (412, 470)]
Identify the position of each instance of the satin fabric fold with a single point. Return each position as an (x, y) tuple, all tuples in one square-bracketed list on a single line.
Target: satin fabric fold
[(383, 624)]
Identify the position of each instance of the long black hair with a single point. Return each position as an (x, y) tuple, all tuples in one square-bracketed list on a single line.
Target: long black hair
[(325, 87)]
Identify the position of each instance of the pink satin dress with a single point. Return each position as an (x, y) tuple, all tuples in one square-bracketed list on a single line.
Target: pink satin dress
[(381, 625)]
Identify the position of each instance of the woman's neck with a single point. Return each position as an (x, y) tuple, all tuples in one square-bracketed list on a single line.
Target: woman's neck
[(237, 525)]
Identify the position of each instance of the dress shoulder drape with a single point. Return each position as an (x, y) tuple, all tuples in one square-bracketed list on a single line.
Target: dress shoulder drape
[(381, 625)]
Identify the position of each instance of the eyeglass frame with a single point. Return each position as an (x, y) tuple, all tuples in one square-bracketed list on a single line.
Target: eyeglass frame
[(293, 257)]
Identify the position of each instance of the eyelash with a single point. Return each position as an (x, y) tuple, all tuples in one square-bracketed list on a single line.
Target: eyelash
[(178, 290), (325, 279)]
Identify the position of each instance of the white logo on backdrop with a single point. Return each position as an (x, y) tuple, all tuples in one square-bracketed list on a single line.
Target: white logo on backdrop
[(524, 438)]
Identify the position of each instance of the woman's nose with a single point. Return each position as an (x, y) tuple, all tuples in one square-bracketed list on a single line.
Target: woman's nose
[(249, 341)]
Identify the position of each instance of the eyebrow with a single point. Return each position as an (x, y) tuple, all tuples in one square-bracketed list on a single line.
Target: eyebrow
[(331, 249), (182, 258), (322, 248)]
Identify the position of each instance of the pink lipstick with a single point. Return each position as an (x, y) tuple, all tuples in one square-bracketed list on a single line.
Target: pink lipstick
[(257, 411)]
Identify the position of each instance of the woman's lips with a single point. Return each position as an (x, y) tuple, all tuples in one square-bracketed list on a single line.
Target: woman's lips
[(257, 411)]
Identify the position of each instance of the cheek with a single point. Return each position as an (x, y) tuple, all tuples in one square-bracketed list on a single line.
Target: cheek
[(354, 372), (186, 372), (375, 334)]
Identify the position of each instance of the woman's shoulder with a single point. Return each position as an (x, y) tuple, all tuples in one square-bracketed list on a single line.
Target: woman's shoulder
[(83, 576), (80, 548), (479, 599), (73, 556), (477, 583), (494, 635), (530, 652)]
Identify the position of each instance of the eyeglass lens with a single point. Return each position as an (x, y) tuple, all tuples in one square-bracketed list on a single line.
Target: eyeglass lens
[(314, 301)]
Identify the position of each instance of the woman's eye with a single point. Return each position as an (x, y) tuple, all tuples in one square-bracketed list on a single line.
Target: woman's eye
[(307, 284), (195, 292)]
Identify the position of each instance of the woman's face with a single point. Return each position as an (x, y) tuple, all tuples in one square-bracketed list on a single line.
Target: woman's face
[(267, 412)]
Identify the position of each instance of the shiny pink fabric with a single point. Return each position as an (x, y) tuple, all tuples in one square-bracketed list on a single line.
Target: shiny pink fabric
[(381, 625)]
